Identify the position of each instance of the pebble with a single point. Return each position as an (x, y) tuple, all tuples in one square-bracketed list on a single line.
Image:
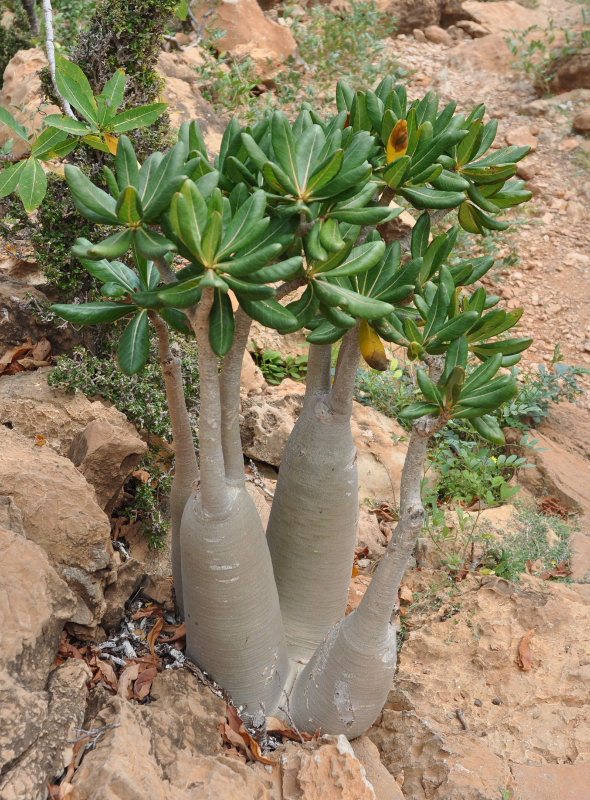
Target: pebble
[(477, 703), (521, 136), (496, 701), (581, 122), (438, 35)]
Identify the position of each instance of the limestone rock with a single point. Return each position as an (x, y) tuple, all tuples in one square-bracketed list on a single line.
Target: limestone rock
[(571, 72), (130, 575), (29, 406), (521, 137), (382, 781), (581, 122), (185, 99), (248, 32), (328, 768), (559, 473), (520, 715), (252, 378), (437, 35), (106, 455), (18, 305), (21, 95), (60, 514), (35, 604), (474, 29), (410, 14), (489, 54), (550, 781), (503, 16), (219, 778)]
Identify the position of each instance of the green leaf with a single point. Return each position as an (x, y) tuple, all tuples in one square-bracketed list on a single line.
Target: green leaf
[(7, 119), (420, 234), (324, 172), (129, 208), (428, 388), (281, 271), (356, 304), (247, 289), (138, 117), (251, 263), (156, 188), (9, 178), (269, 313), (436, 313), (91, 313), (113, 92), (74, 86), (152, 245), (90, 201), (372, 215), (487, 427), (239, 233), (326, 333), (360, 259), (126, 166), (177, 320), (112, 272), (211, 237), (308, 148), (221, 323), (32, 184), (73, 126), (134, 344), (284, 147), (456, 327), (44, 144), (416, 410), (304, 309), (507, 347), (181, 295), (423, 197), (113, 247)]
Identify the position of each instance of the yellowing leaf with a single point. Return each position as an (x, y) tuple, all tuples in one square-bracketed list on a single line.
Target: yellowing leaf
[(397, 144), (372, 349), (111, 142)]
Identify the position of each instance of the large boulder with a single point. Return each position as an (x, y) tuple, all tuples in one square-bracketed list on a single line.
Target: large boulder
[(21, 94), (59, 512), (186, 103), (506, 714), (106, 455), (411, 14), (29, 406), (503, 16), (248, 33), (570, 71), (40, 706)]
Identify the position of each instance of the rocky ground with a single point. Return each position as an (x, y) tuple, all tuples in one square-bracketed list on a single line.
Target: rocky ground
[(490, 700)]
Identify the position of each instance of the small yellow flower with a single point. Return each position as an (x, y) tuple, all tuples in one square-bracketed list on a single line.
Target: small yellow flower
[(494, 459)]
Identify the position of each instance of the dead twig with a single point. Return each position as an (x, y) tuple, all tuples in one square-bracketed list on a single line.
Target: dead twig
[(461, 719)]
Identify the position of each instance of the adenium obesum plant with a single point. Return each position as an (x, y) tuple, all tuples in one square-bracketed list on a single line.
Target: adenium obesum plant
[(291, 212)]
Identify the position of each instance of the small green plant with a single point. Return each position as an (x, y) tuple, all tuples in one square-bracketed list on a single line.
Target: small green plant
[(534, 51), (468, 472), (275, 368), (387, 391), (538, 390), (141, 397), (228, 84), (455, 543), (147, 498), (531, 541)]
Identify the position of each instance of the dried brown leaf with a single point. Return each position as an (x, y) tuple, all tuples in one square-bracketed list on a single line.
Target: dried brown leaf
[(551, 506), (178, 632), (126, 678), (562, 570), (524, 658), (143, 684), (150, 610), (108, 676), (153, 635), (277, 727)]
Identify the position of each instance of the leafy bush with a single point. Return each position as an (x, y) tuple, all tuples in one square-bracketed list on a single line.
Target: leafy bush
[(141, 397), (275, 368)]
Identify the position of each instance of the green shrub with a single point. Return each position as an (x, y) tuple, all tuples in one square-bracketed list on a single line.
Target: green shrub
[(16, 36)]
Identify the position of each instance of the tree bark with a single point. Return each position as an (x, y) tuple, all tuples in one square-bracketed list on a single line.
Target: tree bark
[(186, 471)]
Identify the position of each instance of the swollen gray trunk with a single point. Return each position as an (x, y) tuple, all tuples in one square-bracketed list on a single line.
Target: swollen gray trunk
[(233, 623), (312, 527)]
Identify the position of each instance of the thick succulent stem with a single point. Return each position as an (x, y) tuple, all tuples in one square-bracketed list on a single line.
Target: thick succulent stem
[(214, 495), (233, 620), (186, 470), (312, 526), (344, 686), (230, 401)]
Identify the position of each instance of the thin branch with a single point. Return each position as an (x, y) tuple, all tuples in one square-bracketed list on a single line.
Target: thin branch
[(231, 374), (166, 272), (50, 49), (289, 286)]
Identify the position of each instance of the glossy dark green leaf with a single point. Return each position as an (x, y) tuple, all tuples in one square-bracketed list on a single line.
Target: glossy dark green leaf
[(112, 247), (325, 333), (90, 201), (91, 313), (68, 125), (152, 245), (269, 313), (128, 207), (221, 323), (487, 427), (134, 344), (32, 184), (138, 117), (126, 167), (112, 272), (355, 304), (9, 178), (423, 197), (416, 410), (74, 87)]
